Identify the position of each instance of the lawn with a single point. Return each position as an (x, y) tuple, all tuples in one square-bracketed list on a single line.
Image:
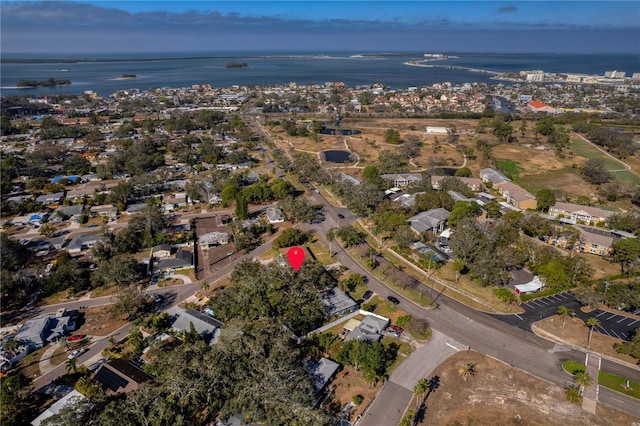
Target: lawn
[(509, 167), (589, 151), (617, 384)]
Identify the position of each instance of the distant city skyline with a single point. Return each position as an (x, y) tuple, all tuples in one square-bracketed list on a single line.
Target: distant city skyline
[(315, 26)]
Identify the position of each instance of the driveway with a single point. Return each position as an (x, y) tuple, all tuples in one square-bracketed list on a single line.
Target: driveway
[(389, 405)]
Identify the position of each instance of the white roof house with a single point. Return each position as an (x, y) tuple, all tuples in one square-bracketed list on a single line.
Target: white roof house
[(69, 399), (531, 287)]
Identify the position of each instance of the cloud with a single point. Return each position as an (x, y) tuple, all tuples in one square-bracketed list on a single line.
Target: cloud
[(509, 8)]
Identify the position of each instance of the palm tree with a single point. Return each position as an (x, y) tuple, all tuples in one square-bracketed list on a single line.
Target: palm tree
[(592, 322), (564, 313), (573, 394), (71, 365), (582, 379), (419, 389), (467, 370)]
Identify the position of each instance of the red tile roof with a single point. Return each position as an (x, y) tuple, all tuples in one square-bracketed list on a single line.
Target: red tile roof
[(537, 104)]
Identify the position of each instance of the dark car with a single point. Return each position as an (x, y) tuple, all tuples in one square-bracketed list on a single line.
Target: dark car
[(393, 300), (340, 216), (367, 294)]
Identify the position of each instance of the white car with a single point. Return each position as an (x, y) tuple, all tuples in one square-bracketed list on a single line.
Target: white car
[(75, 354)]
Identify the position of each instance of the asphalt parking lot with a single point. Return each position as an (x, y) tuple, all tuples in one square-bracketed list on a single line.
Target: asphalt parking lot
[(540, 308), (612, 324)]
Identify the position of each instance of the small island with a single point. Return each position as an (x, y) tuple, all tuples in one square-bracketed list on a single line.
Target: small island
[(237, 65), (128, 76), (50, 82)]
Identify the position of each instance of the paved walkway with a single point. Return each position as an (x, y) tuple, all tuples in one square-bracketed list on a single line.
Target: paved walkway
[(590, 393)]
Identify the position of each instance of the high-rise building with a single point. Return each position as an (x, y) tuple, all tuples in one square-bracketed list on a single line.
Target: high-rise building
[(615, 74)]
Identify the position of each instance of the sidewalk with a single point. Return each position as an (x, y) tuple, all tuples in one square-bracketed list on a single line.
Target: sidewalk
[(590, 393)]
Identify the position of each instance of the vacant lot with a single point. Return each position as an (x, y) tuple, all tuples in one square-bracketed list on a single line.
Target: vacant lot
[(587, 150), (97, 321), (501, 395)]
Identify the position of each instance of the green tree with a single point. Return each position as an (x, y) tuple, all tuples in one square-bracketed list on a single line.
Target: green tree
[(392, 136), (291, 237), (419, 390), (545, 198), (505, 295), (582, 379), (564, 313), (371, 174), (463, 172), (462, 210), (467, 370), (632, 347), (71, 365), (573, 394), (242, 208), (592, 322), (136, 340), (625, 252)]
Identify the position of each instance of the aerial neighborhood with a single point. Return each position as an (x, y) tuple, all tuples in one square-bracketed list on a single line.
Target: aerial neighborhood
[(145, 238)]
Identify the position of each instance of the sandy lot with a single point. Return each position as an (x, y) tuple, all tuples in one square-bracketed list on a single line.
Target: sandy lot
[(501, 395)]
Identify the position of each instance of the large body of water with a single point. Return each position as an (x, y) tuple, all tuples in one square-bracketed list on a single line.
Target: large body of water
[(101, 74)]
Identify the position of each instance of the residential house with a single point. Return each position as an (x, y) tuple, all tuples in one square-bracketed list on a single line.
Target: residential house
[(46, 199), (517, 196), (213, 239), (369, 329), (106, 210), (72, 213), (578, 213), (161, 251), (183, 259), (82, 242), (321, 372), (135, 208), (39, 331), (349, 179), (119, 376), (474, 184), (432, 220), (68, 400), (274, 215), (402, 179), (205, 325), (337, 302), (406, 200), (80, 192), (493, 176), (437, 130)]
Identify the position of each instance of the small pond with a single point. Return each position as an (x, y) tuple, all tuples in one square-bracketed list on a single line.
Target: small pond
[(343, 132), (337, 156)]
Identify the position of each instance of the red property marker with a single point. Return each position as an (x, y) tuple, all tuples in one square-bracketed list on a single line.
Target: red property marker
[(296, 257)]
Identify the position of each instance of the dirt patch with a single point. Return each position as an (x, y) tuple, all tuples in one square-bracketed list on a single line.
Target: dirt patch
[(98, 322), (576, 333), (349, 383), (514, 397)]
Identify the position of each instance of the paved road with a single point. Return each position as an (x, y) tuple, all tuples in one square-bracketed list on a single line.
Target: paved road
[(482, 332)]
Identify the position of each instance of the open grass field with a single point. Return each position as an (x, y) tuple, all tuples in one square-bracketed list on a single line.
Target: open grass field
[(587, 150)]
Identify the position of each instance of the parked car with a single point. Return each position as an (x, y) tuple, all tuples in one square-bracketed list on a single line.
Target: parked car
[(75, 354), (76, 338), (367, 294), (397, 329), (340, 216), (393, 300), (392, 333), (157, 298)]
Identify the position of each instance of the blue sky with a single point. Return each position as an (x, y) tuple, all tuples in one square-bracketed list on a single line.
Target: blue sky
[(217, 26)]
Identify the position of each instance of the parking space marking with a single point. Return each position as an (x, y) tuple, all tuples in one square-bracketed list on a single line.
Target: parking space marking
[(624, 335), (612, 316), (614, 332), (603, 331), (601, 313), (535, 302), (542, 301), (623, 319), (519, 317), (634, 321)]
